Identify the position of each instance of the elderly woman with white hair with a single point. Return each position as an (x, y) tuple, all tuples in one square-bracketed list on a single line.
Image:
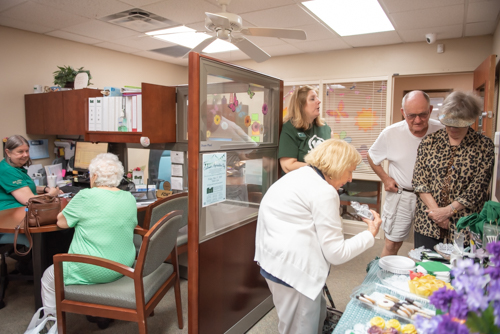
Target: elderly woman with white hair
[(104, 218)]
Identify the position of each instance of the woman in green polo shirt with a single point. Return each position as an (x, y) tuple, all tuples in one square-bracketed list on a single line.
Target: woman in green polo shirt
[(16, 186), (303, 130)]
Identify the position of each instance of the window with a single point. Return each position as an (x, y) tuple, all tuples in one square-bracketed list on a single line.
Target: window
[(356, 112)]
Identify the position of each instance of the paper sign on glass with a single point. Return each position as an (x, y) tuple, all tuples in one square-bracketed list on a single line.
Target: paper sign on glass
[(213, 178), (176, 183), (177, 170), (177, 157)]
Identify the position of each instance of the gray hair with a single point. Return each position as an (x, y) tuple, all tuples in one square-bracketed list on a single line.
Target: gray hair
[(413, 92), (108, 168), (14, 142), (463, 105)]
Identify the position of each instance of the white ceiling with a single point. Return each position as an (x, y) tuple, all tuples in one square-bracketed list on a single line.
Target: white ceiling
[(79, 20)]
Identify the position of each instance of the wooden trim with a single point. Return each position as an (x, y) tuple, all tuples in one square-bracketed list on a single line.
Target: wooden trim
[(484, 75), (194, 213), (236, 66)]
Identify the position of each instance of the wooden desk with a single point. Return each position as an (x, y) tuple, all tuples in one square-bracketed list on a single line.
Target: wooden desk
[(9, 219)]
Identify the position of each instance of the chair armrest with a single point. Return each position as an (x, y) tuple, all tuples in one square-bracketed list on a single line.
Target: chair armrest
[(98, 261), (139, 230)]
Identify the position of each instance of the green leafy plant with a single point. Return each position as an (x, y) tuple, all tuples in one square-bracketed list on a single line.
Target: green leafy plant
[(67, 74)]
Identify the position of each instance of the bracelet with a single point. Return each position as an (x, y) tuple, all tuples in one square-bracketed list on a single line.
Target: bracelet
[(453, 209), (45, 189)]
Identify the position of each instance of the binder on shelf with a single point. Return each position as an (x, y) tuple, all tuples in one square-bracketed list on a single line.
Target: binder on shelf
[(128, 112), (111, 114), (118, 111), (98, 113), (92, 113), (139, 113), (134, 114), (105, 112)]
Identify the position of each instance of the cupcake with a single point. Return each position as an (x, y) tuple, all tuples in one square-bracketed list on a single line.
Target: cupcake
[(409, 329), (378, 321), (374, 330), (393, 323), (390, 331)]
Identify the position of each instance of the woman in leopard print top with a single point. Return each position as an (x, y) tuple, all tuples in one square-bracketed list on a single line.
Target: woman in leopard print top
[(452, 173)]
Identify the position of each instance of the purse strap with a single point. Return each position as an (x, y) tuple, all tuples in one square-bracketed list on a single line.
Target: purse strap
[(328, 295), (27, 233)]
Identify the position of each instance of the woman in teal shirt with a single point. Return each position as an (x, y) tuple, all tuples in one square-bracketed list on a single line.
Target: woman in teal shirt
[(303, 130), (16, 186)]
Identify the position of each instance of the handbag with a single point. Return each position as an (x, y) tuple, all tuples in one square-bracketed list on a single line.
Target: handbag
[(39, 325), (332, 314), (40, 211)]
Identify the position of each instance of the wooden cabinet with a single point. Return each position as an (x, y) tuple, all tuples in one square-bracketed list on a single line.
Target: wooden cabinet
[(57, 113), (158, 119), (66, 113)]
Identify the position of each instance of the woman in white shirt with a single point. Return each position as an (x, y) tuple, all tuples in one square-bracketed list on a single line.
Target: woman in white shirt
[(299, 234)]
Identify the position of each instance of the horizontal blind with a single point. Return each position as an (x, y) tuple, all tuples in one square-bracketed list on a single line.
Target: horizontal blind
[(356, 112)]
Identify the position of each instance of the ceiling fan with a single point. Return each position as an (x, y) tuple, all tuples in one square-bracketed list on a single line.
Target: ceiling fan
[(229, 27)]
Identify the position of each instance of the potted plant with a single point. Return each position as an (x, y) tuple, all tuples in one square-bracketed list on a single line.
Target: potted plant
[(65, 76)]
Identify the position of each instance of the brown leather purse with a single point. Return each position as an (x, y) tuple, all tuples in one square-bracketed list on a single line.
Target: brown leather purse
[(40, 211)]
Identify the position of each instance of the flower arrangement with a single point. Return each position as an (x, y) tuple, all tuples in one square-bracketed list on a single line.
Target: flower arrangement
[(474, 305), (131, 172)]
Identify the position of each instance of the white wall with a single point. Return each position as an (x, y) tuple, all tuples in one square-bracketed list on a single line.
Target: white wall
[(28, 58)]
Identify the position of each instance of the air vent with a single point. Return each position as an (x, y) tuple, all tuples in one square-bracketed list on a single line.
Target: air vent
[(173, 51), (139, 20)]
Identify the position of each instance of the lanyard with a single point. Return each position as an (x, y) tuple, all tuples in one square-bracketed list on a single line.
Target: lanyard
[(318, 171)]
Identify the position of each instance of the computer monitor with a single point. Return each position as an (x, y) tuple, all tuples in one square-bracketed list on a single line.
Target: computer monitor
[(85, 152)]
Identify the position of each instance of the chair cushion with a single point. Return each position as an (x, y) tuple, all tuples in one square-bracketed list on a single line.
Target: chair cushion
[(120, 293)]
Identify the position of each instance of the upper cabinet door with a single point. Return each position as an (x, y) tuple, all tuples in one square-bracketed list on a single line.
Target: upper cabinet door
[(34, 110), (484, 85)]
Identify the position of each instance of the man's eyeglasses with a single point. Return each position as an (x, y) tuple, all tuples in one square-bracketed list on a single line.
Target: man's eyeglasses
[(422, 116)]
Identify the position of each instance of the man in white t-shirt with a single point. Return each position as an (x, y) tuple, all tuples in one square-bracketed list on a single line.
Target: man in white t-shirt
[(398, 143)]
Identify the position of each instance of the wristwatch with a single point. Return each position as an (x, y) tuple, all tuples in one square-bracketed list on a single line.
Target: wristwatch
[(453, 209)]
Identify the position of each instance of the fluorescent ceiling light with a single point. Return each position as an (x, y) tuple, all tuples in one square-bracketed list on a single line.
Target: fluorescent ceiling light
[(351, 17), (190, 38)]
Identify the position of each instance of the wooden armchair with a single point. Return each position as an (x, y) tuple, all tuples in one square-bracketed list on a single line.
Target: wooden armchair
[(160, 208), (362, 191), (134, 296)]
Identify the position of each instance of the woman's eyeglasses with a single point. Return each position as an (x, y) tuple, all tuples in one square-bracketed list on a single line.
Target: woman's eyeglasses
[(422, 116)]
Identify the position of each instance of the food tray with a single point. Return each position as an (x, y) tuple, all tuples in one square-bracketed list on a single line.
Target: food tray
[(376, 291), (383, 277)]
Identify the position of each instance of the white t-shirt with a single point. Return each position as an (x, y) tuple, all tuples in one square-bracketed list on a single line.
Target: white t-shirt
[(398, 145)]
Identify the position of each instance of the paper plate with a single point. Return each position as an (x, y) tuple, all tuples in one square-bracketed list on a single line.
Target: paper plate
[(398, 262)]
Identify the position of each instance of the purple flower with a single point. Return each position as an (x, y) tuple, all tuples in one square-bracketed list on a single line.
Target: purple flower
[(496, 312), (442, 298), (494, 249), (494, 272), (427, 326), (494, 290), (264, 109), (458, 307), (447, 325)]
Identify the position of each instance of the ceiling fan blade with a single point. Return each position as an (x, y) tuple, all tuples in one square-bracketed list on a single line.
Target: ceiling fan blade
[(276, 32), (219, 20), (200, 47), (251, 50)]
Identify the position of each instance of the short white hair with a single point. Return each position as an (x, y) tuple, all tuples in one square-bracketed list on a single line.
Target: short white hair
[(108, 168)]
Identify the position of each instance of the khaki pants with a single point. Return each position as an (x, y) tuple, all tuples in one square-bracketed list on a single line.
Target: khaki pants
[(297, 314)]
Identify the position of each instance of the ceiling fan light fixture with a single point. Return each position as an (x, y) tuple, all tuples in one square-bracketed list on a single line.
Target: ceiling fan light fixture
[(350, 17)]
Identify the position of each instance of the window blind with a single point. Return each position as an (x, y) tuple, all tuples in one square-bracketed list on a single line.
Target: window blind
[(356, 112)]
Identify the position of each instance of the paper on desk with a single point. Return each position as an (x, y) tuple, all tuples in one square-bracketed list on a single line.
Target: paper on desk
[(176, 183), (177, 170), (177, 157)]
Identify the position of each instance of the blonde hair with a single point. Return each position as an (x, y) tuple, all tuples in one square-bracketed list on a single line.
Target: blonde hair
[(296, 109), (333, 157)]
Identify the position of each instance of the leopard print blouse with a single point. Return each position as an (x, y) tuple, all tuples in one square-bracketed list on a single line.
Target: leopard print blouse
[(470, 176)]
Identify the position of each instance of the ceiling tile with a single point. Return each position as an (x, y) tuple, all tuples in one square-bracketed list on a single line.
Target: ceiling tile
[(423, 18), (13, 23), (282, 17), (117, 47), (483, 11), (142, 42), (265, 41), (379, 38), (185, 11), (281, 50), (73, 37), (480, 28), (101, 30), (418, 35), (395, 6), (88, 8), (139, 3), (321, 45), (39, 14), (5, 4), (242, 6)]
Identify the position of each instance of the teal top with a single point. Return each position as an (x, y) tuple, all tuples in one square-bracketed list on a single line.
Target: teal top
[(104, 222), (296, 143), (13, 178)]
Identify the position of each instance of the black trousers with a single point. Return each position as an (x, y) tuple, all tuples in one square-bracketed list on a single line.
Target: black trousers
[(422, 240)]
